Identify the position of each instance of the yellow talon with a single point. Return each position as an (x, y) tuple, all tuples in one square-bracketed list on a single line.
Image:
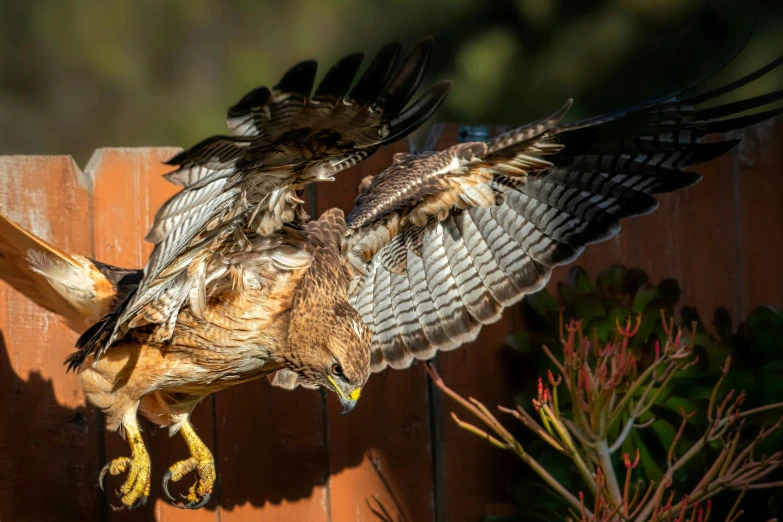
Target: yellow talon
[(202, 462), (136, 489)]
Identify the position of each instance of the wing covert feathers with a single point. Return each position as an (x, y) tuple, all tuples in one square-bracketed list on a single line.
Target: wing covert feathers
[(440, 243), (241, 193)]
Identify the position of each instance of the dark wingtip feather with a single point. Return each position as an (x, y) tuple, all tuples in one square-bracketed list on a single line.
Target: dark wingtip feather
[(376, 77), (736, 84), (408, 78), (255, 98), (299, 79), (708, 151), (88, 344), (176, 160), (662, 94), (740, 122), (680, 181), (74, 362), (728, 109), (339, 78), (194, 151), (418, 112)]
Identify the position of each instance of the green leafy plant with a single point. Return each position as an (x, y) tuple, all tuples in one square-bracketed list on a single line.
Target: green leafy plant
[(641, 419)]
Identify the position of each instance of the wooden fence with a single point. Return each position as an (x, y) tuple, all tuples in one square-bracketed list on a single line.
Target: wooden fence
[(288, 456)]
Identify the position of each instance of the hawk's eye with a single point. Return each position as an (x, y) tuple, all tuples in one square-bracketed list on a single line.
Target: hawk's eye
[(337, 369)]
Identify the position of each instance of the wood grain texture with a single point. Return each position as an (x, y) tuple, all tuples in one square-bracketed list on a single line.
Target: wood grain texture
[(49, 445), (759, 186), (692, 237), (271, 457), (473, 474)]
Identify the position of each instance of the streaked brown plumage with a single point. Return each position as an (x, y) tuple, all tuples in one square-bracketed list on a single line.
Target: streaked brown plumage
[(242, 284)]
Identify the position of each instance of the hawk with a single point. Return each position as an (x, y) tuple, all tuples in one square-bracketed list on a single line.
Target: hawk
[(242, 283)]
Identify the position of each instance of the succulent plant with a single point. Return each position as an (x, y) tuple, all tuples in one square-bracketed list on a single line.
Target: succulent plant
[(624, 347)]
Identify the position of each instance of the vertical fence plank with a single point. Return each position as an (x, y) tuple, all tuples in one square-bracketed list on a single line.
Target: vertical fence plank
[(49, 446), (471, 474), (127, 190), (382, 449), (760, 193), (271, 454), (692, 237)]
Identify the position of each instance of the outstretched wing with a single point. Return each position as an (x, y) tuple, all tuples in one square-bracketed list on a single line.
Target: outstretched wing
[(440, 243), (241, 193)]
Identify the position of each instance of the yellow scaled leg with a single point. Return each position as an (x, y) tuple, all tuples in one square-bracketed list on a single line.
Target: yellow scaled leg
[(136, 490), (202, 461)]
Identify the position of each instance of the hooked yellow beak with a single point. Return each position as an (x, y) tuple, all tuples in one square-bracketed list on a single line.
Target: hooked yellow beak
[(348, 401)]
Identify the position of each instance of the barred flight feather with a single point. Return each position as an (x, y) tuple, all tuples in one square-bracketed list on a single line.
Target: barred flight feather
[(453, 317), (241, 187), (437, 244), (477, 299), (406, 319), (480, 232), (425, 307)]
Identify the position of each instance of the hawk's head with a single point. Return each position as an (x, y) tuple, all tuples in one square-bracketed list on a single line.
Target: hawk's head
[(330, 348)]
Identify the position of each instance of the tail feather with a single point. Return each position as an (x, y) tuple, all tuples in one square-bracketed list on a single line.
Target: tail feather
[(72, 286)]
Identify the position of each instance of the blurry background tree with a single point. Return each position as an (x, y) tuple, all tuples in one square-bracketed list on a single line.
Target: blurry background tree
[(83, 74)]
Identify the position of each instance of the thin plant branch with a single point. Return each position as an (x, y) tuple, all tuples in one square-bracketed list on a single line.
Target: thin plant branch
[(608, 395)]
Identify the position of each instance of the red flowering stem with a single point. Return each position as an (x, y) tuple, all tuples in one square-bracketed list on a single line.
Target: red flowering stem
[(722, 460), (555, 361), (573, 452), (670, 455), (733, 514), (629, 467), (667, 478), (525, 418), (643, 501), (766, 485), (760, 409), (512, 444), (479, 432), (638, 382), (714, 394)]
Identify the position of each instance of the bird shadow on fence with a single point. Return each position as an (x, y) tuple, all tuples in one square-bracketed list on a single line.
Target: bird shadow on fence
[(274, 452), (49, 453)]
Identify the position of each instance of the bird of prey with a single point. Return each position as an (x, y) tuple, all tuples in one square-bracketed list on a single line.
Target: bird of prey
[(242, 283)]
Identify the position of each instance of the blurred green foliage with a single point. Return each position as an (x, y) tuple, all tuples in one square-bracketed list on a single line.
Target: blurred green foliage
[(755, 347), (82, 74)]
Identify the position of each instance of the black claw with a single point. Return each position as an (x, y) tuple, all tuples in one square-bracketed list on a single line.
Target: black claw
[(166, 479), (140, 502), (189, 505), (193, 504), (102, 474), (200, 504)]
